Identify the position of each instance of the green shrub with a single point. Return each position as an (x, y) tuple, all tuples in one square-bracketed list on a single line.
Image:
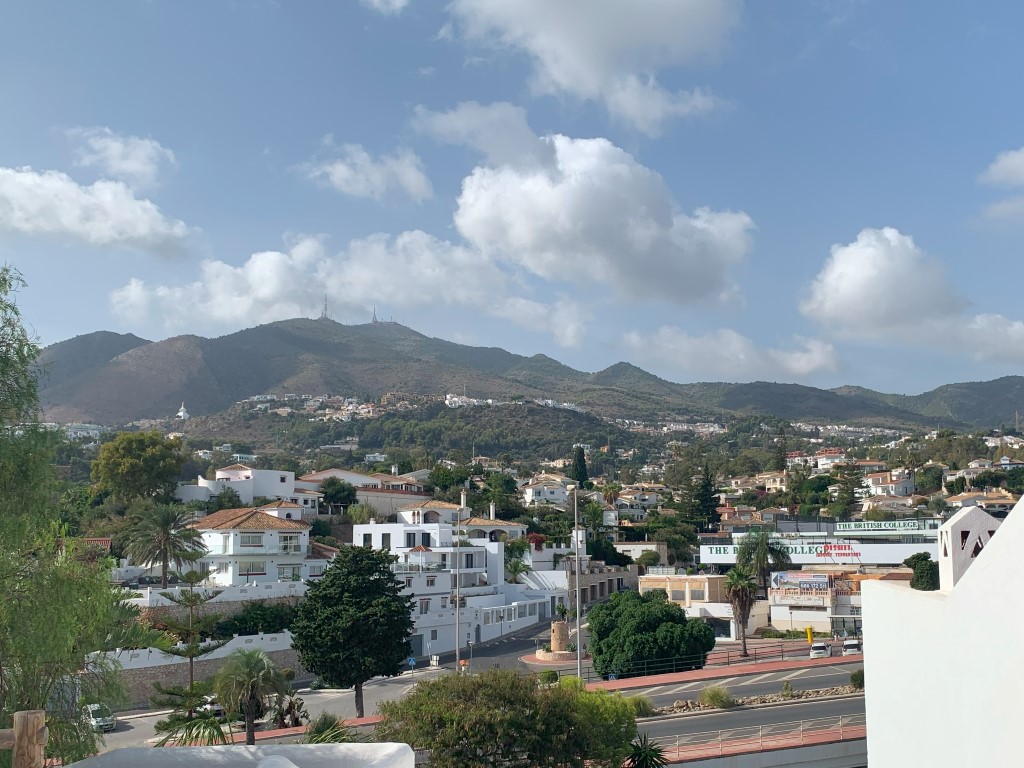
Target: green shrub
[(257, 616), (642, 706), (546, 647), (547, 677), (716, 696), (787, 690), (857, 679), (320, 528)]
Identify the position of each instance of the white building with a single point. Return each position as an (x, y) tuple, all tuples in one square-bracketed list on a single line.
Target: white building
[(251, 484), (545, 492), (250, 545), (954, 649), (387, 494)]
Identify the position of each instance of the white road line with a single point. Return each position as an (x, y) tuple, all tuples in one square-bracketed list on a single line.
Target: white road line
[(723, 682), (757, 679), (687, 687), (791, 675), (649, 691)]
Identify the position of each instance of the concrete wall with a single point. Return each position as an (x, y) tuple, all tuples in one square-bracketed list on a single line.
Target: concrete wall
[(932, 656), (844, 754)]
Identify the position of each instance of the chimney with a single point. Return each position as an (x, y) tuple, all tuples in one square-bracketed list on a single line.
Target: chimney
[(463, 501), (493, 517)]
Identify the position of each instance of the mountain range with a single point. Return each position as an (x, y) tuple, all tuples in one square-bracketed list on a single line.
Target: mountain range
[(111, 378)]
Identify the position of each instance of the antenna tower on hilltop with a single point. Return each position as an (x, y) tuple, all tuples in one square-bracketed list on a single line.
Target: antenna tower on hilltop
[(325, 315)]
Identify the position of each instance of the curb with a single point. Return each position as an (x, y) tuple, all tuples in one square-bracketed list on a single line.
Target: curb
[(741, 707), (140, 715)]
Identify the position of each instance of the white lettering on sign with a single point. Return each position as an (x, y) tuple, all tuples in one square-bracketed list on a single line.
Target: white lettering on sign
[(881, 525)]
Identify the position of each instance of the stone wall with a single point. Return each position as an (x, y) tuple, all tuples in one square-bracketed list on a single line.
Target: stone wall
[(139, 682), (159, 613)]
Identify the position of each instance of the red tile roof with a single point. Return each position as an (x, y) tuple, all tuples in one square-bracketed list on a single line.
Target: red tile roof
[(246, 519)]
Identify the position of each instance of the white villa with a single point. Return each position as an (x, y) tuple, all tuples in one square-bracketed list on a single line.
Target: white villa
[(250, 484), (262, 544)]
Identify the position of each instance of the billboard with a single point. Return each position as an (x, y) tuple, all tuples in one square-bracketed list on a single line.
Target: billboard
[(828, 552), (880, 525), (805, 580)]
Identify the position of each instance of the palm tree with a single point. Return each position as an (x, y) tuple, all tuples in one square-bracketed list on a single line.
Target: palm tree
[(644, 753), (741, 592), (159, 535), (516, 568), (760, 553), (244, 684)]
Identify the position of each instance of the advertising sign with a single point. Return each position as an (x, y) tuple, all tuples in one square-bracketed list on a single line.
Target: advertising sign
[(880, 525), (804, 580), (829, 552)]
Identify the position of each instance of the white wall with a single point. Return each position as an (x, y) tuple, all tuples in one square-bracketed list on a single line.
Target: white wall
[(142, 658), (934, 660), (818, 553)]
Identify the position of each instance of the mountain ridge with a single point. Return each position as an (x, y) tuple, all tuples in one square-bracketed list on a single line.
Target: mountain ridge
[(119, 378)]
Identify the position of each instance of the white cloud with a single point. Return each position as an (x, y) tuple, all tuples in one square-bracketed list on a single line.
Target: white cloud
[(358, 174), (498, 131), (883, 288), (1009, 209), (877, 285), (136, 160), (726, 353), (106, 213), (598, 216), (413, 269), (608, 52), (1007, 170), (387, 7)]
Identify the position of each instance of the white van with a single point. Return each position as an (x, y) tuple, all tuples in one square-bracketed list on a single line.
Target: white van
[(820, 650), (852, 646)]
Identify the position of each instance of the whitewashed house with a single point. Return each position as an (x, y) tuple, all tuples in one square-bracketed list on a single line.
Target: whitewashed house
[(251, 484), (259, 544)]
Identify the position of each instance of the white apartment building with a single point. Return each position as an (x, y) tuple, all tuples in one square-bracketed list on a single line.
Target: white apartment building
[(545, 492), (387, 494), (262, 544), (454, 564), (251, 484)]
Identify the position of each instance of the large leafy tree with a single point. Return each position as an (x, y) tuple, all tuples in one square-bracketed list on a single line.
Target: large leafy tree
[(760, 553), (741, 592), (503, 718), (160, 534), (246, 683), (337, 493), (57, 605), (138, 465), (355, 623), (633, 634)]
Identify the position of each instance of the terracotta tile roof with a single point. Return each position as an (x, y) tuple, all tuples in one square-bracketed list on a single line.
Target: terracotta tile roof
[(247, 519), (281, 505), (234, 468), (303, 492), (483, 522), (898, 576), (421, 548), (430, 505), (321, 552)]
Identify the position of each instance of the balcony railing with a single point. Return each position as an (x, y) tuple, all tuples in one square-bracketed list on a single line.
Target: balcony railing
[(271, 549)]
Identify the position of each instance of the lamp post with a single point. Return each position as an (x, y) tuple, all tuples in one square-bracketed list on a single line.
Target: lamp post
[(470, 643), (576, 547)]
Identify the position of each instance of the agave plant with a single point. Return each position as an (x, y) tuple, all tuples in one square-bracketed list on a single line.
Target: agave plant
[(644, 753)]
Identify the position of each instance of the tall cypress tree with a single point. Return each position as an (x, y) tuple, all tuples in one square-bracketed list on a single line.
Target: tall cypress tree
[(578, 472)]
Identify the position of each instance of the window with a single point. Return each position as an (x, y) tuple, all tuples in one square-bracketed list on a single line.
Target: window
[(253, 568), (316, 571), (425, 539), (289, 572), (251, 539), (290, 543), (367, 539), (433, 634), (424, 605), (385, 541), (521, 611), (431, 580), (696, 594), (533, 609), (284, 479), (487, 617), (408, 583), (444, 603), (410, 539)]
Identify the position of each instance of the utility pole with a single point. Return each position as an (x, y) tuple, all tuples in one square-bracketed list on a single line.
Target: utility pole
[(576, 546)]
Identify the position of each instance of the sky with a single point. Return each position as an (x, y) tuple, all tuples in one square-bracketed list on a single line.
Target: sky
[(825, 192)]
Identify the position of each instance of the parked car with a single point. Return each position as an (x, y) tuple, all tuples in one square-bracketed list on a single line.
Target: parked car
[(852, 646), (214, 707), (820, 650), (100, 717)]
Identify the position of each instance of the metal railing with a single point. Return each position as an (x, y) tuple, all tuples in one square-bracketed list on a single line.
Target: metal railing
[(761, 737)]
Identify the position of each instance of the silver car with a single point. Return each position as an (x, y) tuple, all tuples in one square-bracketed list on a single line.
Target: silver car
[(820, 650), (100, 717)]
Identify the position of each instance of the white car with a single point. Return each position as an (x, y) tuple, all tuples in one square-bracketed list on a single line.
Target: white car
[(852, 647), (100, 717), (820, 650), (214, 707)]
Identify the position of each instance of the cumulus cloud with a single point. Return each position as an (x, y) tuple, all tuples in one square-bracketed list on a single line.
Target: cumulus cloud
[(106, 213), (136, 160), (387, 7), (274, 285), (1007, 170), (608, 52), (498, 131), (597, 215), (728, 354), (357, 173), (884, 288)]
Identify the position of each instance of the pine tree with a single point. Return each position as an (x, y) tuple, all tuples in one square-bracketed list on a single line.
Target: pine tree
[(578, 472)]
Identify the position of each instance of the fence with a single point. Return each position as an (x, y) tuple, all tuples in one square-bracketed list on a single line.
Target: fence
[(757, 738), (27, 739)]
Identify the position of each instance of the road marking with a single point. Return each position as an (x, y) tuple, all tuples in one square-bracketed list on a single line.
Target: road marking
[(792, 675), (649, 691), (757, 679), (681, 688), (723, 682)]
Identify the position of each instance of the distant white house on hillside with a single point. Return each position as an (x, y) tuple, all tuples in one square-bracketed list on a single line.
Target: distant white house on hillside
[(251, 484)]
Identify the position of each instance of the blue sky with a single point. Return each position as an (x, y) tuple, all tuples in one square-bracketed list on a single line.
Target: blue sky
[(821, 192)]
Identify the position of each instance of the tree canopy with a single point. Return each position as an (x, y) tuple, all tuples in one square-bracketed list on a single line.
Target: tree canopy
[(355, 623), (633, 634), (503, 718), (337, 493), (760, 553), (138, 465)]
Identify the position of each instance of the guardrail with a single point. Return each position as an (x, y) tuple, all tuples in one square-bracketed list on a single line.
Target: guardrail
[(758, 738)]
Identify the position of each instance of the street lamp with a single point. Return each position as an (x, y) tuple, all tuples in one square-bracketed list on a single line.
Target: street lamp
[(576, 546), (470, 644)]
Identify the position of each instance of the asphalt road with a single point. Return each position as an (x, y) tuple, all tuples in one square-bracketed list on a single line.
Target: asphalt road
[(726, 721)]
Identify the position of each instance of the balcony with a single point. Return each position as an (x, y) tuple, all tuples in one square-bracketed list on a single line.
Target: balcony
[(272, 549)]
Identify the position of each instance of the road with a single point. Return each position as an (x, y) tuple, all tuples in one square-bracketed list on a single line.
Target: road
[(139, 731), (728, 720)]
